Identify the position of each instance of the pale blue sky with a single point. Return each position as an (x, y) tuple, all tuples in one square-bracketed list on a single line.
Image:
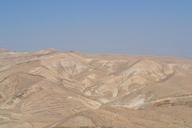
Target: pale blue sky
[(147, 27)]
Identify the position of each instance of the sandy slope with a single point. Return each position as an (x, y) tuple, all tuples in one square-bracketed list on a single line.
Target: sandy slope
[(50, 89)]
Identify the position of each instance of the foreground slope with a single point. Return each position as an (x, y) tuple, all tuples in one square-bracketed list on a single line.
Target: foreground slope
[(52, 89)]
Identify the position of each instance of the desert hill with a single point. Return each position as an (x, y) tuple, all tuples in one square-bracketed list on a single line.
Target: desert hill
[(54, 89)]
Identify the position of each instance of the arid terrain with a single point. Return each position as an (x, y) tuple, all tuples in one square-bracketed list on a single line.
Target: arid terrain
[(53, 89)]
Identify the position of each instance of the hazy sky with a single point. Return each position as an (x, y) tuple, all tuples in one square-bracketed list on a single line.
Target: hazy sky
[(149, 27)]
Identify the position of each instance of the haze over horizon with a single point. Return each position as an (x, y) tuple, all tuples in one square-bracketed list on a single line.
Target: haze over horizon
[(128, 27)]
